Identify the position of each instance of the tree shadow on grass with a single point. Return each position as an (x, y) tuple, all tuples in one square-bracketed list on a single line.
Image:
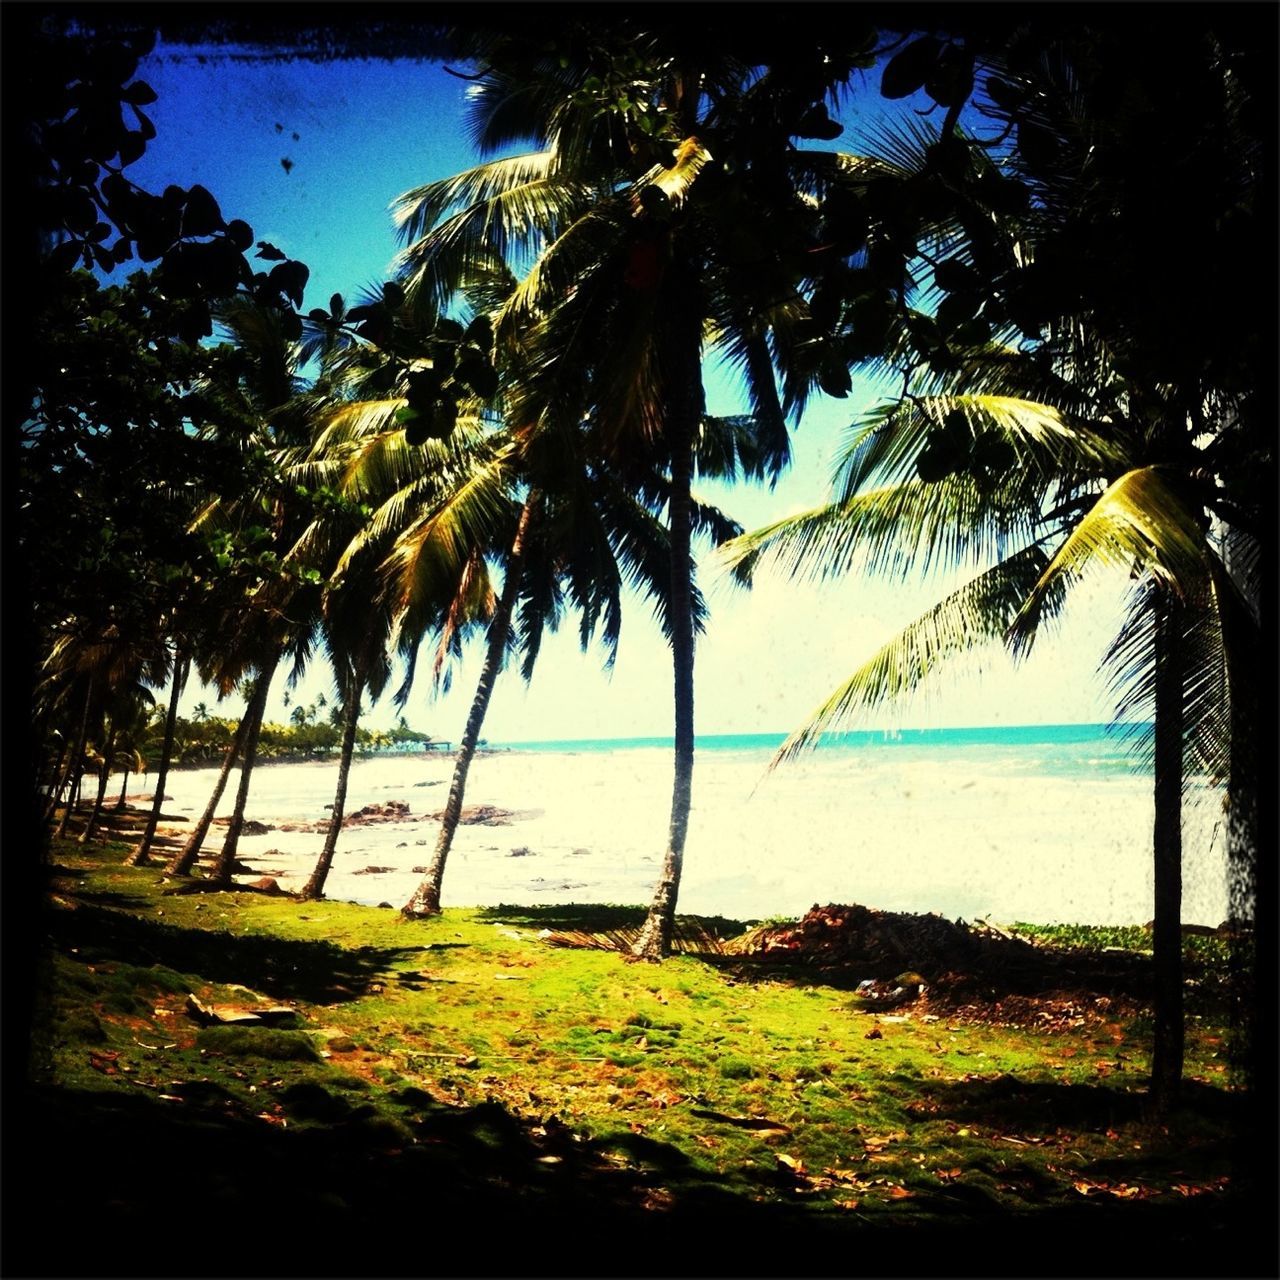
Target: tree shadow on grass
[(481, 1191), (314, 972), (604, 918), (586, 916), (968, 978), (1011, 1105)]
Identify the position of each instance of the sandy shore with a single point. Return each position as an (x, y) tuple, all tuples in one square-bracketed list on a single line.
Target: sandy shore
[(969, 836)]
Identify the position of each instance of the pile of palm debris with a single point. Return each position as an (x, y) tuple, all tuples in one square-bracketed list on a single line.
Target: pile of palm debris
[(846, 945)]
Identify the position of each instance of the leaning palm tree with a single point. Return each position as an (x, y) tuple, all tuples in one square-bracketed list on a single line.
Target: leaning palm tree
[(127, 712), (564, 529), (664, 213)]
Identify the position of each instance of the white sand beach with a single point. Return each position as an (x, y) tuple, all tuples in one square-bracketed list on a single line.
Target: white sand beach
[(963, 834)]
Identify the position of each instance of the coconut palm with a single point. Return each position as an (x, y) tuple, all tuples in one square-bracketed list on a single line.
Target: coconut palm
[(126, 713), (265, 610), (1038, 495), (667, 209), (1118, 428), (571, 532)]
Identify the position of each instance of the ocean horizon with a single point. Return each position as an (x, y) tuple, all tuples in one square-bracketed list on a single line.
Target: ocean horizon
[(1116, 735)]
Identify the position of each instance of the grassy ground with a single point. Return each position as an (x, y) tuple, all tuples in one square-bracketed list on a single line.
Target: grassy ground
[(457, 1096)]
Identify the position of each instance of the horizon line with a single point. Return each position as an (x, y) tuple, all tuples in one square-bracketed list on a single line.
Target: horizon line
[(1112, 725)]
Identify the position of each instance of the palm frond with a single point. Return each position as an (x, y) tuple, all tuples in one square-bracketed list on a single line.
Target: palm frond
[(978, 612), (913, 525), (885, 447), (676, 181), (1138, 525)]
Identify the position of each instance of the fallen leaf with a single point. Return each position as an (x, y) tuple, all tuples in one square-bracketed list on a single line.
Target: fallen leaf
[(900, 1193)]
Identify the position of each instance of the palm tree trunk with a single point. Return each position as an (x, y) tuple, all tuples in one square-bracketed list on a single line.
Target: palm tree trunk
[(426, 897), (314, 888), (104, 772), (75, 765), (141, 856), (1167, 1049), (656, 933), (182, 861), (53, 788), (224, 867), (124, 787)]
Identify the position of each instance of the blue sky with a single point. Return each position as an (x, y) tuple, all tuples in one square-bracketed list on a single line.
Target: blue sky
[(355, 135)]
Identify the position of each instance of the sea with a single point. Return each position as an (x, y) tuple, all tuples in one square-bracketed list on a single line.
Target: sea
[(1045, 823)]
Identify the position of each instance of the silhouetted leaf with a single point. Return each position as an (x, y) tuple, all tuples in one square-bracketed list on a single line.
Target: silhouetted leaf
[(907, 71), (240, 234), (951, 80), (655, 202), (816, 123), (132, 145), (939, 458), (480, 332), (993, 453), (290, 278), (139, 93), (1003, 94), (269, 252), (202, 217), (65, 256), (953, 275)]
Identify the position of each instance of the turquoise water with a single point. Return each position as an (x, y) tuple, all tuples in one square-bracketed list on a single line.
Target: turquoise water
[(1026, 748)]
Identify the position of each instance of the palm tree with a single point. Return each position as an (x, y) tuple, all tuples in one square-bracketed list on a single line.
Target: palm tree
[(264, 520), (185, 858), (1120, 427), (440, 506), (643, 245), (127, 711), (1065, 495), (140, 857)]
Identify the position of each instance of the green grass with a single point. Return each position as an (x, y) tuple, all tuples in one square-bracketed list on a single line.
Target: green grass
[(687, 1079)]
